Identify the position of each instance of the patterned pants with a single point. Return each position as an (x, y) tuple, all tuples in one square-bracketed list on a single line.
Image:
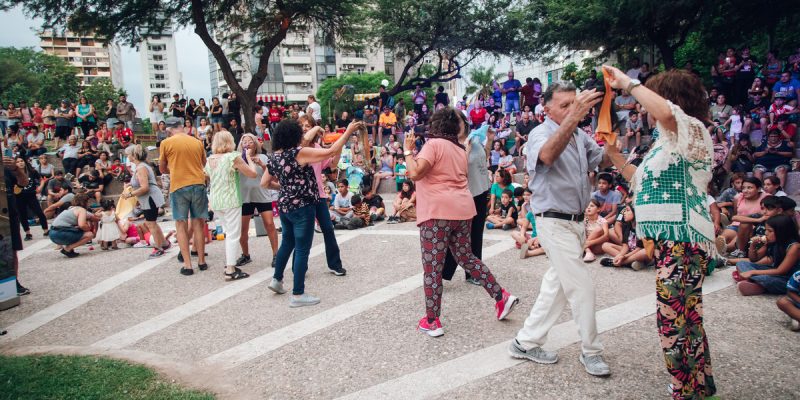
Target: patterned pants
[(681, 268), (436, 236)]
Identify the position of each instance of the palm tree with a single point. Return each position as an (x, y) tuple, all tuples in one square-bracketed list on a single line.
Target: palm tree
[(481, 79)]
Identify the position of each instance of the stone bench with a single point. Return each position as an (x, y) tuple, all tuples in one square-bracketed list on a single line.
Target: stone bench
[(387, 186)]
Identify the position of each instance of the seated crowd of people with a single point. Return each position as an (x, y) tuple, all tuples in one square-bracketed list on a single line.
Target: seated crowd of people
[(754, 146)]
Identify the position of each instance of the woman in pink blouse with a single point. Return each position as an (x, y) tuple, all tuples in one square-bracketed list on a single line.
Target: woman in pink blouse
[(444, 211)]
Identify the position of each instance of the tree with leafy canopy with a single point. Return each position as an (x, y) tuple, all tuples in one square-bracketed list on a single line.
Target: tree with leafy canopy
[(450, 34), (613, 25), (99, 91), (266, 23), (481, 79), (35, 76), (361, 83)]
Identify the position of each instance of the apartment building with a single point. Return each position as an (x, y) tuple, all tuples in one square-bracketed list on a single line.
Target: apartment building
[(93, 58), (159, 61), (300, 63)]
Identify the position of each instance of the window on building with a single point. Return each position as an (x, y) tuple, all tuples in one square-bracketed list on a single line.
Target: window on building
[(159, 77), (158, 67), (360, 70), (158, 57)]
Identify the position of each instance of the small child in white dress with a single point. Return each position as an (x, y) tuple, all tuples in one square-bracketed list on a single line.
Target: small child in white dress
[(109, 232)]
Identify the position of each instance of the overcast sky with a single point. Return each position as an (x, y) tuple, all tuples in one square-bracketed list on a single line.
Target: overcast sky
[(17, 30)]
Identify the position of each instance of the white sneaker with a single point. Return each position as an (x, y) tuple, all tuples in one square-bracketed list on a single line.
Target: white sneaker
[(303, 300), (317, 228), (276, 286), (795, 325)]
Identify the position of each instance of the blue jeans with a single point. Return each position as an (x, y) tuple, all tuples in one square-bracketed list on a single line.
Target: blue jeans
[(512, 106), (326, 226), (189, 200), (773, 284), (298, 233)]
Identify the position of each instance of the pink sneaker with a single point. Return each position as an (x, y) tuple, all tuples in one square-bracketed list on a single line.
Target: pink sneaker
[(433, 329), (505, 305), (589, 256)]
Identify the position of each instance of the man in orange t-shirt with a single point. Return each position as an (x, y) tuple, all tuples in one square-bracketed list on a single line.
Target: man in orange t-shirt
[(183, 157)]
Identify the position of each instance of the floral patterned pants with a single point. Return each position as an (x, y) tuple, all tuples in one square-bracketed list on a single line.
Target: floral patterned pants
[(681, 268), (436, 236)]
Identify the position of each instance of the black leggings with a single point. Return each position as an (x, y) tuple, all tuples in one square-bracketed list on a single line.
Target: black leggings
[(482, 208), (27, 201)]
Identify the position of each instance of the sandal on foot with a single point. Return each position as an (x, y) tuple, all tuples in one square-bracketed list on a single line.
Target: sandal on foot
[(202, 267), (236, 275), (607, 262), (187, 271), (28, 237)]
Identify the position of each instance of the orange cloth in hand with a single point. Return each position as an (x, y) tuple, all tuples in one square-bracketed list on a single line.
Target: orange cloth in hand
[(604, 131)]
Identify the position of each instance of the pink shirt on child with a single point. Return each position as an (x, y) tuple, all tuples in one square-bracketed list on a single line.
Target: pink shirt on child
[(443, 193), (747, 208), (318, 167)]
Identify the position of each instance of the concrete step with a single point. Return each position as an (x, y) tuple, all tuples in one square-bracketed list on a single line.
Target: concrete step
[(387, 186)]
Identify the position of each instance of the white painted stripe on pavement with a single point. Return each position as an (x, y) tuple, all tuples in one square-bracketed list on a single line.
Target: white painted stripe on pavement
[(33, 248), (27, 325), (441, 378), (408, 232), (263, 344), (140, 331)]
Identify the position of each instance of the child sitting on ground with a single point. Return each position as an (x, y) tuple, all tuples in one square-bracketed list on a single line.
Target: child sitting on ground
[(790, 304), (109, 232), (745, 204), (596, 229), (360, 216), (754, 224), (507, 162), (631, 252), (377, 210), (504, 217), (778, 257), (725, 199), (527, 243), (608, 198), (404, 204), (341, 206)]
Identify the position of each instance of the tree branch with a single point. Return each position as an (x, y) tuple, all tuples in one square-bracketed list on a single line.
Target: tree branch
[(201, 29)]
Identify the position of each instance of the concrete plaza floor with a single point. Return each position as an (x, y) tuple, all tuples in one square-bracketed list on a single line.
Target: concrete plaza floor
[(240, 340)]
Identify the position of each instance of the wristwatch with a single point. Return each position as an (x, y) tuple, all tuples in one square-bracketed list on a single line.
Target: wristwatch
[(407, 153), (632, 84)]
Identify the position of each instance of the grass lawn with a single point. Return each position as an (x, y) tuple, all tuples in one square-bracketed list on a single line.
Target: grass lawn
[(85, 377)]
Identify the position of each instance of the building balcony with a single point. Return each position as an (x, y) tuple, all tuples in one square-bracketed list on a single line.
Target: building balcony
[(296, 58), (296, 40), (297, 78), (353, 60)]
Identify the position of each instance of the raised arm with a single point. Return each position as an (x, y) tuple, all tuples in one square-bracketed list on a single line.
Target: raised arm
[(655, 105), (245, 168), (578, 109), (309, 155)]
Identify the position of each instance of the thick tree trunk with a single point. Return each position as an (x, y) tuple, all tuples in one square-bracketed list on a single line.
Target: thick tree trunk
[(667, 54), (248, 102)]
